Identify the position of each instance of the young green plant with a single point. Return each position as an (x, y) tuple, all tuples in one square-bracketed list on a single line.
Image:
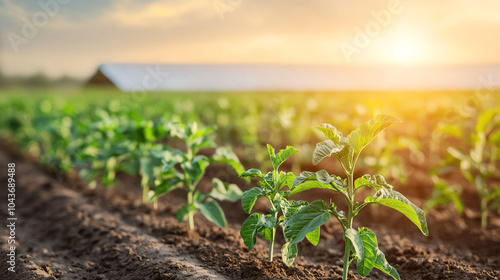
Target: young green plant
[(361, 244), (480, 163), (185, 169), (271, 184)]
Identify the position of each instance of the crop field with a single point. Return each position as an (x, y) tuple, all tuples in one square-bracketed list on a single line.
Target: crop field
[(111, 185)]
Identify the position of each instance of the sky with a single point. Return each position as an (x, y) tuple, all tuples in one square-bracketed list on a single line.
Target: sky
[(70, 37)]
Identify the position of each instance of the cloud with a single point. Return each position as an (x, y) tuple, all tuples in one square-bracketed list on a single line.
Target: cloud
[(72, 9), (86, 33), (159, 13)]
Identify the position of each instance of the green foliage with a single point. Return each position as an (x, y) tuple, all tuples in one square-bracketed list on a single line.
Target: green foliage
[(477, 161), (306, 223), (100, 141), (443, 194), (382, 265), (364, 134), (365, 246), (361, 245), (271, 185), (254, 224), (185, 169), (397, 201), (319, 180)]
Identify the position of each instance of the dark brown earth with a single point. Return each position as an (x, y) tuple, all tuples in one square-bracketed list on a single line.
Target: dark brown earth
[(66, 231)]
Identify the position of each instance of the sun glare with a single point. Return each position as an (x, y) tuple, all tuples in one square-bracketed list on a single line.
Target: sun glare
[(405, 52)]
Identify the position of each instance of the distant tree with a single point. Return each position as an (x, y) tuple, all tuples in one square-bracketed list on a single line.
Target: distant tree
[(65, 81), (37, 80), (3, 80)]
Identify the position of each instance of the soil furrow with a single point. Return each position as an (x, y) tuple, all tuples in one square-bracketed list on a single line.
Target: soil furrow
[(67, 231), (66, 237)]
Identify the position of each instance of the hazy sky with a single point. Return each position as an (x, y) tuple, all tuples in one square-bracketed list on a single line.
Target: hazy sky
[(73, 37)]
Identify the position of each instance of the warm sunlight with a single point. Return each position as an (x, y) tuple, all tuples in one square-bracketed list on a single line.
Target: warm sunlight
[(406, 52), (224, 31)]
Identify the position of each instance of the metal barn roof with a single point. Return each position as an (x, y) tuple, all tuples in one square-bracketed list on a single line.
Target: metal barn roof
[(254, 77)]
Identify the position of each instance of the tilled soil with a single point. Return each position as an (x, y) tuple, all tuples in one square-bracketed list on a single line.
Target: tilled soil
[(66, 231)]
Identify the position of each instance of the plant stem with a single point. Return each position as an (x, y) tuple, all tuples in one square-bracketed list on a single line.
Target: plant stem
[(347, 252), (273, 233), (483, 193), (190, 213), (484, 213), (145, 192), (271, 244)]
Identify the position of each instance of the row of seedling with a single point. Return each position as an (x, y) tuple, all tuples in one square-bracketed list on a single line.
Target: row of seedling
[(100, 143)]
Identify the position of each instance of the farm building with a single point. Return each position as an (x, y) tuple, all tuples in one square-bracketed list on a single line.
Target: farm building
[(255, 77)]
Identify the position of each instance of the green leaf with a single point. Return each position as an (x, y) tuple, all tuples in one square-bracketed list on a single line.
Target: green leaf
[(289, 208), (227, 156), (376, 181), (267, 182), (313, 236), (308, 180), (306, 220), (167, 186), (382, 265), (443, 194), (399, 202), (303, 177), (266, 233), (213, 212), (197, 138), (281, 156), (330, 132), (310, 184), (364, 134), (182, 213), (195, 168), (457, 154), (171, 158), (224, 191), (365, 244), (146, 170), (196, 133), (149, 169), (249, 197), (253, 225), (323, 177), (289, 253), (285, 179), (346, 151), (494, 138), (484, 120), (325, 149), (251, 173)]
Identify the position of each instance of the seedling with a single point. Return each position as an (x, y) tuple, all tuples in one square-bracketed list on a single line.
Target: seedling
[(112, 144), (480, 163), (185, 169), (360, 245), (270, 187), (444, 194)]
